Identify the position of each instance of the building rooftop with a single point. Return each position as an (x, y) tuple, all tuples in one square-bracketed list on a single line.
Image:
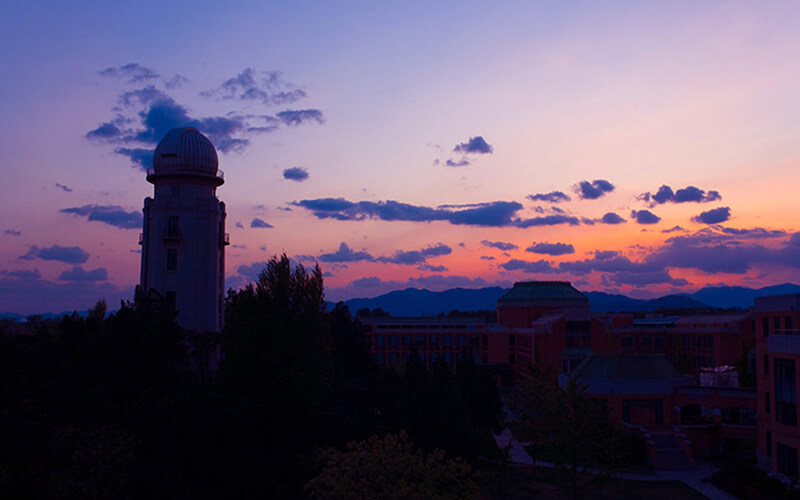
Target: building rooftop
[(185, 150), (645, 374), (543, 293)]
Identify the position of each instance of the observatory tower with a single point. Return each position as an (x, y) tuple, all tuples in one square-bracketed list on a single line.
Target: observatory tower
[(183, 240)]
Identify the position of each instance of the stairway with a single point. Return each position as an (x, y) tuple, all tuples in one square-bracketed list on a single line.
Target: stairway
[(668, 453)]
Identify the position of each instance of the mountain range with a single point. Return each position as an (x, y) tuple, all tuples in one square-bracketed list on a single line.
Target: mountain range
[(416, 302)]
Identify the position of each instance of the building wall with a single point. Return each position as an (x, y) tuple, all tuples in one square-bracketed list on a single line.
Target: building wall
[(195, 277)]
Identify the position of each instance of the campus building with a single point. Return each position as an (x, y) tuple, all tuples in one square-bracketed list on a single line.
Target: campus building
[(778, 355), (647, 371), (183, 238)]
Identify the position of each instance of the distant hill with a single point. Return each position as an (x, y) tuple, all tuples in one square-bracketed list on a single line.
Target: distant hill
[(415, 302)]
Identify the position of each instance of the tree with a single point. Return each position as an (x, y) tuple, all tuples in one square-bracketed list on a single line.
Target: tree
[(391, 468)]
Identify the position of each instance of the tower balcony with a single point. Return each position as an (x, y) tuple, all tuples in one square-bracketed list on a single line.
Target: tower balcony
[(225, 239), (216, 178), (141, 238)]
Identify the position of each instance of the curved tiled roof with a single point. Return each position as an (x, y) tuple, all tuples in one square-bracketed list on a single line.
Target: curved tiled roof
[(544, 293)]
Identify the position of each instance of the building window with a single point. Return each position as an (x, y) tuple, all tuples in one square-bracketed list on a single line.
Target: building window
[(406, 339), (785, 392), (172, 226), (766, 402), (769, 443), (378, 340), (447, 340), (787, 460), (766, 364), (393, 340), (787, 321), (776, 321), (765, 326), (172, 259)]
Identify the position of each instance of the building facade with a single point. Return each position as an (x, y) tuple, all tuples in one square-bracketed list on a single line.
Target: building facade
[(183, 237)]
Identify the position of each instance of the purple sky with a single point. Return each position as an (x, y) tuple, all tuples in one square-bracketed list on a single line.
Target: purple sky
[(638, 147)]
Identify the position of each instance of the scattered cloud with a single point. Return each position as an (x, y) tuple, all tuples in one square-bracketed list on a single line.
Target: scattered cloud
[(112, 215), (12, 232), (593, 190), (500, 245), (239, 224), (689, 194), (475, 145), (22, 274), (251, 271), (298, 174), (77, 273), (259, 223), (487, 257), (645, 217), (131, 72), (539, 266), (674, 229), (433, 269), (415, 256), (70, 255), (346, 254), (551, 248), (63, 188), (145, 114), (266, 87), (547, 220), (551, 197), (176, 82), (463, 162), (611, 218), (713, 216), (294, 118)]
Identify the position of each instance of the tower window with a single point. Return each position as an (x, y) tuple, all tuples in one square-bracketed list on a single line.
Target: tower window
[(172, 226), (172, 259)]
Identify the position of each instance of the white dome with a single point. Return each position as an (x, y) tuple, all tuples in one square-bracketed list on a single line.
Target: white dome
[(185, 150)]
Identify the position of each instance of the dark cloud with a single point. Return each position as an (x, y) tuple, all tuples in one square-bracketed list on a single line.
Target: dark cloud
[(612, 218), (593, 190), (251, 271), (551, 248), (487, 257), (674, 229), (551, 197), (70, 255), (22, 274), (12, 232), (416, 256), (33, 295), (259, 223), (539, 266), (64, 188), (240, 247), (494, 214), (500, 245), (346, 254), (131, 72), (149, 112), (294, 118), (689, 194), (547, 220), (266, 87), (714, 216), (77, 273), (645, 217), (138, 156), (298, 174), (108, 214), (608, 262), (463, 162), (239, 224), (476, 145), (433, 269)]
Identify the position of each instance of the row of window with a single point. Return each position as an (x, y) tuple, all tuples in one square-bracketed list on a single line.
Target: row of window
[(434, 357), (779, 324), (432, 340)]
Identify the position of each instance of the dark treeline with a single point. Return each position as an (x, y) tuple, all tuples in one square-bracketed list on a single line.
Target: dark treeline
[(128, 405)]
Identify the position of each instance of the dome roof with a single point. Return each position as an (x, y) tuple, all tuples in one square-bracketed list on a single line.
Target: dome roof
[(185, 150)]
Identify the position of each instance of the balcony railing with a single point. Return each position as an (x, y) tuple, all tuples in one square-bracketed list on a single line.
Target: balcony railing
[(141, 238), (225, 240), (219, 175)]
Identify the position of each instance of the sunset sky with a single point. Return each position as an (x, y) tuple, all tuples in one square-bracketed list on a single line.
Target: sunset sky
[(642, 148)]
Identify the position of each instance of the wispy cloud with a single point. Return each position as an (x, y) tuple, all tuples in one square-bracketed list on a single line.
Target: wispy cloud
[(70, 255), (112, 215)]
